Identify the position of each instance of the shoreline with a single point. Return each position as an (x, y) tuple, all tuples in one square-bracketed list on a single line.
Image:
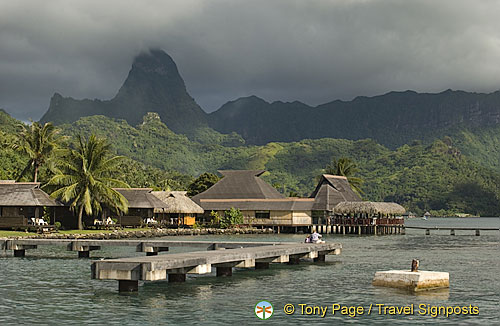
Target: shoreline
[(149, 233)]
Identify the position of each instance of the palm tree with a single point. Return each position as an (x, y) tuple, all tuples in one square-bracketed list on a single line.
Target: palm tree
[(84, 179), (346, 167), (39, 143)]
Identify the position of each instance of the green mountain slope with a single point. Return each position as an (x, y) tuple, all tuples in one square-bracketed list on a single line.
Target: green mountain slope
[(421, 177), (437, 177)]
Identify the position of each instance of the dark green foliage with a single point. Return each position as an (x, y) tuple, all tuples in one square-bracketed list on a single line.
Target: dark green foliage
[(84, 178), (346, 167), (231, 217), (40, 143), (202, 183)]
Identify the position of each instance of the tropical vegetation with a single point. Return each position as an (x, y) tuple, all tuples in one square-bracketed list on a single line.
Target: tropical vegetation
[(40, 143), (344, 166), (83, 178), (451, 175)]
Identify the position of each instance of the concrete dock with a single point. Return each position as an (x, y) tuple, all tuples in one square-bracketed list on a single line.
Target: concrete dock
[(174, 267), (150, 247), (412, 281)]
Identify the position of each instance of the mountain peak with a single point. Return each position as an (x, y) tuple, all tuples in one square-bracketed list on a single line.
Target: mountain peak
[(153, 73), (153, 84)]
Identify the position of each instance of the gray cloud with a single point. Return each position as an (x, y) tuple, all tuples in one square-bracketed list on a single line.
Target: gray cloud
[(313, 51)]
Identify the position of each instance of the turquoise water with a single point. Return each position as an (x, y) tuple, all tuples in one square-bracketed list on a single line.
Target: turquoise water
[(52, 287)]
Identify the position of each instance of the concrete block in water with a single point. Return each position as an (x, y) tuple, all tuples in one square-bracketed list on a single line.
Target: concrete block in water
[(413, 281)]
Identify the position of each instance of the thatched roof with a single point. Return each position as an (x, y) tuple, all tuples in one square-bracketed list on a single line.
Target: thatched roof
[(141, 198), (240, 184), (368, 207), (282, 204), (331, 190), (177, 202), (24, 194)]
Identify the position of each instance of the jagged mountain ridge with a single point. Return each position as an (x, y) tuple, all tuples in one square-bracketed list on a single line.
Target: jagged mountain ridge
[(393, 119)]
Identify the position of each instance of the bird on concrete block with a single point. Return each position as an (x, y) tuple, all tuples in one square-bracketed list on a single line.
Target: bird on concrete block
[(414, 265)]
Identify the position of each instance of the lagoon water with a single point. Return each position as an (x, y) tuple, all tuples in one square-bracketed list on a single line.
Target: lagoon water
[(53, 287)]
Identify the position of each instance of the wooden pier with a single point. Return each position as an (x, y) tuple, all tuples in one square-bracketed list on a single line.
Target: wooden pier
[(451, 229), (150, 247), (174, 267), (361, 226)]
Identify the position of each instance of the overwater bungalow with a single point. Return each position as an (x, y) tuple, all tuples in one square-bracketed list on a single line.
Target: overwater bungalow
[(365, 217), (20, 202), (180, 209), (262, 205)]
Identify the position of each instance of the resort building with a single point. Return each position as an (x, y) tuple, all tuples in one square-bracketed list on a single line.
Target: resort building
[(23, 202), (179, 210), (141, 205), (261, 204)]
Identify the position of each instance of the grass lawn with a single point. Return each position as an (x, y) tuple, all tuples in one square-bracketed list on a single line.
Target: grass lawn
[(100, 231), (6, 234)]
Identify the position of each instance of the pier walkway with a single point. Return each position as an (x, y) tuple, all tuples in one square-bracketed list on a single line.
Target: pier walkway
[(174, 267), (451, 229), (150, 247)]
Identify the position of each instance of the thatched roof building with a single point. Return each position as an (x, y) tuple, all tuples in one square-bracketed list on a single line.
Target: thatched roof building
[(368, 207), (176, 202), (240, 184), (331, 190), (141, 198), (24, 194)]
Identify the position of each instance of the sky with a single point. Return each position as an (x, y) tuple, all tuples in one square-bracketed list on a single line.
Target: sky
[(313, 51)]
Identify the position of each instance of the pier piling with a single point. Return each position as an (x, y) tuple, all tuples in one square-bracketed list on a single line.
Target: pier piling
[(84, 254), (261, 265), (19, 253), (224, 271), (176, 278), (320, 259), (128, 286)]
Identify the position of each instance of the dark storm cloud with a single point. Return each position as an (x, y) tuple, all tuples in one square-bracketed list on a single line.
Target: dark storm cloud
[(312, 51)]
